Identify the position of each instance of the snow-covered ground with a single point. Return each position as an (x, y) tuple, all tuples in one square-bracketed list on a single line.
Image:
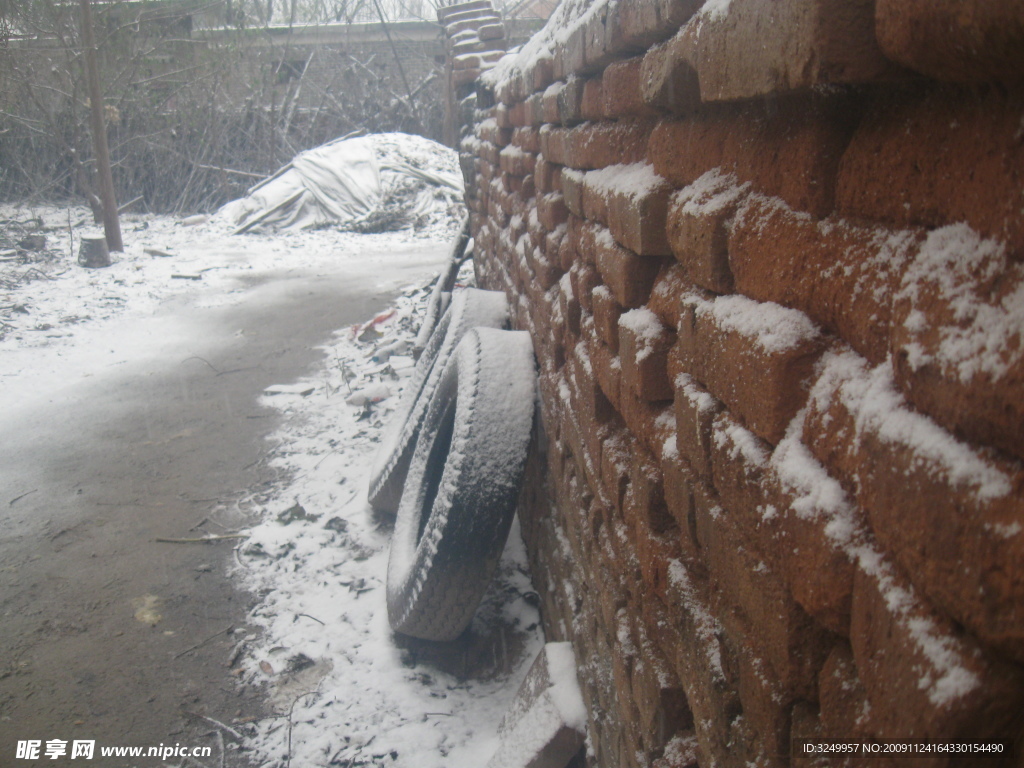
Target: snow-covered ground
[(345, 690)]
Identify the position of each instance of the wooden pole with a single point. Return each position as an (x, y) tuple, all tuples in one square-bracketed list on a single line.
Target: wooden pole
[(111, 224)]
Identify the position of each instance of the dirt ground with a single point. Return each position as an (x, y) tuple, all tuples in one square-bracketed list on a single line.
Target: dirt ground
[(106, 633)]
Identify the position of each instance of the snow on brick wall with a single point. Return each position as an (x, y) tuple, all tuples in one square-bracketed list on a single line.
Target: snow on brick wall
[(772, 259)]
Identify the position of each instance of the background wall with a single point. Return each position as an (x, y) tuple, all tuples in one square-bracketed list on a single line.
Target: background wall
[(770, 256)]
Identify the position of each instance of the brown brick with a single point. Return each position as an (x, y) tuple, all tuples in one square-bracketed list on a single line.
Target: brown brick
[(547, 176), (637, 207), (645, 22), (650, 422), (974, 41), (489, 130), (670, 284), (756, 358), (553, 144), (804, 136), (516, 162), (931, 499), (752, 50), (549, 103), (842, 275), (699, 220), (755, 606), (739, 472), (527, 139), (606, 317), (572, 190), (645, 498), (582, 381), (595, 199), (924, 680), (584, 279), (680, 504), (956, 339), (844, 703), (695, 411), (621, 90), (570, 101), (949, 156), (592, 103), (668, 80), (597, 145), (551, 210), (765, 728), (609, 373), (700, 658), (629, 276), (809, 513), (643, 348), (658, 693)]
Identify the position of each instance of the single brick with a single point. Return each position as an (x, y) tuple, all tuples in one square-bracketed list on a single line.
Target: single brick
[(539, 714), (844, 276), (956, 337), (755, 606), (845, 710), (670, 284), (700, 658), (516, 162), (570, 101), (572, 190), (621, 90), (637, 206), (585, 278), (597, 145), (606, 317), (807, 137), (545, 175), (595, 198), (949, 156), (551, 210), (553, 144), (752, 51), (699, 220), (667, 80), (924, 679), (549, 103), (591, 400), (695, 411), (678, 488), (930, 498), (658, 693), (592, 103), (645, 498), (527, 139), (645, 22), (810, 514), (643, 348), (974, 41), (764, 732), (629, 276), (739, 472), (757, 358)]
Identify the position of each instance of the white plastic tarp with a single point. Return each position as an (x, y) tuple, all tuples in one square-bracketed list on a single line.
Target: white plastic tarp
[(339, 181)]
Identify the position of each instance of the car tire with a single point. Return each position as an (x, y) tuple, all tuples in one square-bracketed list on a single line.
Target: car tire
[(463, 485)]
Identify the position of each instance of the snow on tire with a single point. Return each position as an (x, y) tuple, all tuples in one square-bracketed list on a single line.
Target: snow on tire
[(469, 308), (463, 485)]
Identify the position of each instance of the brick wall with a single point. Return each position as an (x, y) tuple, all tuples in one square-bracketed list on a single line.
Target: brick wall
[(770, 254)]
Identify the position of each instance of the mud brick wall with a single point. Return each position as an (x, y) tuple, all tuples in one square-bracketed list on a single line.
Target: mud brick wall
[(770, 254)]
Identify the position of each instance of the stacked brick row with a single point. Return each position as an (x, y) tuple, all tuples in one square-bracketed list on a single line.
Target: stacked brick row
[(770, 254), (474, 41)]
